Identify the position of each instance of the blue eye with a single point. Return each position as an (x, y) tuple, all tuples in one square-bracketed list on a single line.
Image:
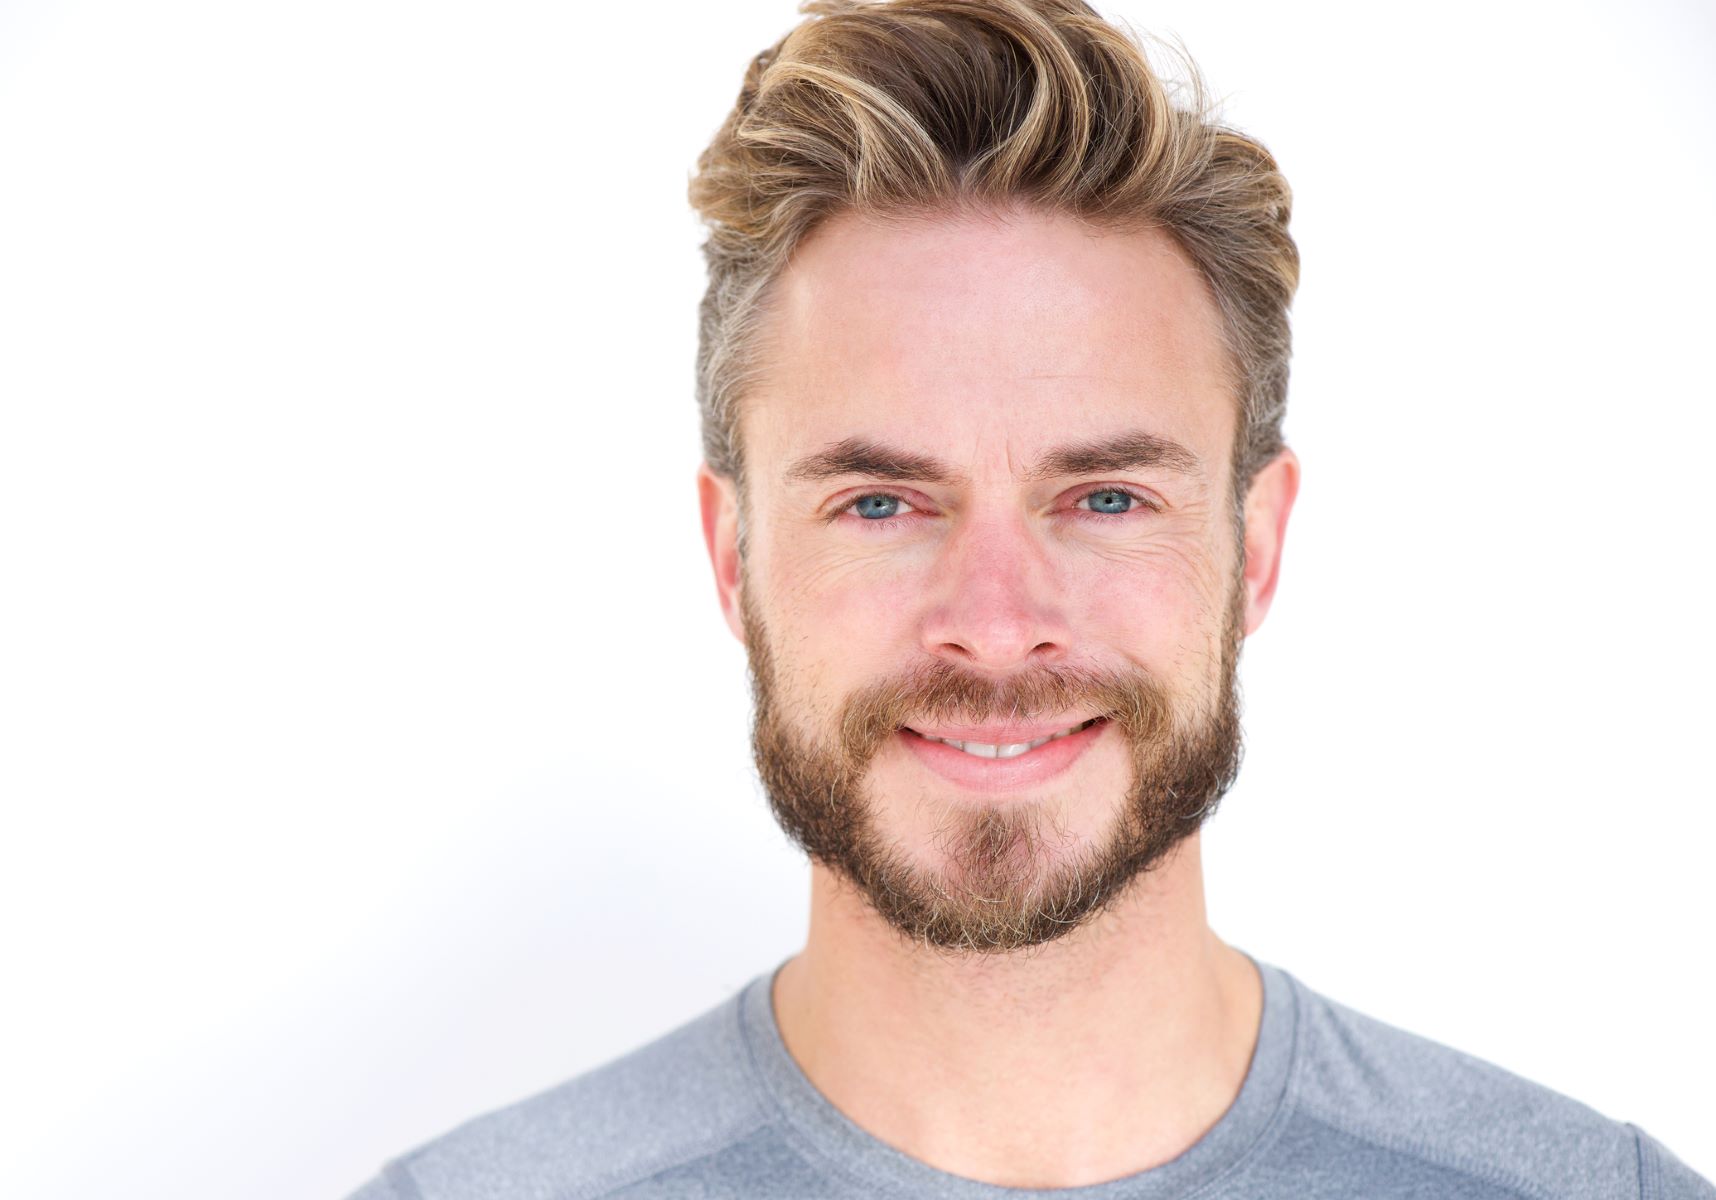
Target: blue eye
[(1109, 500), (876, 508)]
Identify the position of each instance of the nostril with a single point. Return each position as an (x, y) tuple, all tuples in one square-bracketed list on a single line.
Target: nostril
[(993, 658), (976, 627)]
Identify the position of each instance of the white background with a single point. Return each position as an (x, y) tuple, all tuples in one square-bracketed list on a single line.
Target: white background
[(373, 753)]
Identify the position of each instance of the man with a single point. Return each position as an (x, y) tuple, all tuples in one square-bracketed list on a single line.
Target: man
[(993, 368)]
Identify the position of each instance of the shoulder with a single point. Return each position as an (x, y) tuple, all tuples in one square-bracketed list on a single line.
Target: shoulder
[(1418, 1101), (683, 1096)]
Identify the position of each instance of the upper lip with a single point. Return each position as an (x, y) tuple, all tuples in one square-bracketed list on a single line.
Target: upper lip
[(998, 734)]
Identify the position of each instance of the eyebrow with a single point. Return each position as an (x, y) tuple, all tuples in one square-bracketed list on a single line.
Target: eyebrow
[(1124, 452), (858, 456)]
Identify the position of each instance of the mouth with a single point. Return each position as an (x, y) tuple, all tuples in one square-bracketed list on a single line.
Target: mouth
[(1002, 759), (980, 749)]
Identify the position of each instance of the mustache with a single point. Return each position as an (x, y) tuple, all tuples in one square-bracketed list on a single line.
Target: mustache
[(941, 691)]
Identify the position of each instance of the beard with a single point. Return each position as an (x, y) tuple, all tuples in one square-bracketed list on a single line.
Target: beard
[(1009, 880)]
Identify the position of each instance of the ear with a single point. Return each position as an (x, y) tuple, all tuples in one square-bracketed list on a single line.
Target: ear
[(719, 500), (1267, 506)]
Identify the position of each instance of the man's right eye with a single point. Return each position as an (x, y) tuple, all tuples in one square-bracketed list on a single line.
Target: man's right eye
[(878, 507)]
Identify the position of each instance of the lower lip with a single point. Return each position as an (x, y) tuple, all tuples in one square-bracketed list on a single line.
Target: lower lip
[(1030, 769)]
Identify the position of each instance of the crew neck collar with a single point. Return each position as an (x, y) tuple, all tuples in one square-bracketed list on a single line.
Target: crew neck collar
[(832, 1138)]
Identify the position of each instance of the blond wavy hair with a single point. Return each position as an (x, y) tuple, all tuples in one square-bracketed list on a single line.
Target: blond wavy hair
[(906, 107)]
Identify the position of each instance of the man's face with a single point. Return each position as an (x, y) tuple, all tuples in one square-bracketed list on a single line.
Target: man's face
[(987, 490)]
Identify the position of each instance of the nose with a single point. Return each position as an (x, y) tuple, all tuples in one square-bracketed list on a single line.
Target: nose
[(994, 602)]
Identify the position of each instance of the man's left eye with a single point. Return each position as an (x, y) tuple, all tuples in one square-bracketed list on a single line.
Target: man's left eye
[(877, 508), (1110, 500)]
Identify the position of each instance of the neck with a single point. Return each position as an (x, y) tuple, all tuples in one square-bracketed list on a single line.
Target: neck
[(1104, 1053)]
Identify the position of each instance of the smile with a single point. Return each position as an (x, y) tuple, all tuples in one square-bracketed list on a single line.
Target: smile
[(1010, 749)]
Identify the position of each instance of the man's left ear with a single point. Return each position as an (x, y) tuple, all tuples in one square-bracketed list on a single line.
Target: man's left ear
[(1267, 506)]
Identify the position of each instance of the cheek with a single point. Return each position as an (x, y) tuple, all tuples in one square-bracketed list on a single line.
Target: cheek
[(840, 617), (1152, 603), (1159, 605), (849, 589), (867, 605)]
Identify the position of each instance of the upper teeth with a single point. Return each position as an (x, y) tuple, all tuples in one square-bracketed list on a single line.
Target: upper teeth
[(1010, 750)]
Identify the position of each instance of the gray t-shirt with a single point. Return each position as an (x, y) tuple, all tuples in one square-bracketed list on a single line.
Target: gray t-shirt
[(1335, 1105)]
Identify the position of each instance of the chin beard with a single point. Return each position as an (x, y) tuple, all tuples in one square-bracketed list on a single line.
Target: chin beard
[(1009, 878)]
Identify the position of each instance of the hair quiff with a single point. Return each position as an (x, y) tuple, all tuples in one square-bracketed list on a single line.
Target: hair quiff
[(899, 107)]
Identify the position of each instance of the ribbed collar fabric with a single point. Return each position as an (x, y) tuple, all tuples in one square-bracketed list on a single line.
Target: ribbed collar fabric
[(869, 1165)]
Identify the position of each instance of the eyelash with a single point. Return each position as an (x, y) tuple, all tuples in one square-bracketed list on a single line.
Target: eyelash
[(884, 523)]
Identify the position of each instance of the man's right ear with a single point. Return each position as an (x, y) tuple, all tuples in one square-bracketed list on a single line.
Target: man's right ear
[(719, 499)]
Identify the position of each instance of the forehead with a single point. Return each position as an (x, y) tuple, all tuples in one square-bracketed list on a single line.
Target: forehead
[(1003, 330)]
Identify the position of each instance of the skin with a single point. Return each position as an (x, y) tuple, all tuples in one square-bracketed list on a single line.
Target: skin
[(984, 341)]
